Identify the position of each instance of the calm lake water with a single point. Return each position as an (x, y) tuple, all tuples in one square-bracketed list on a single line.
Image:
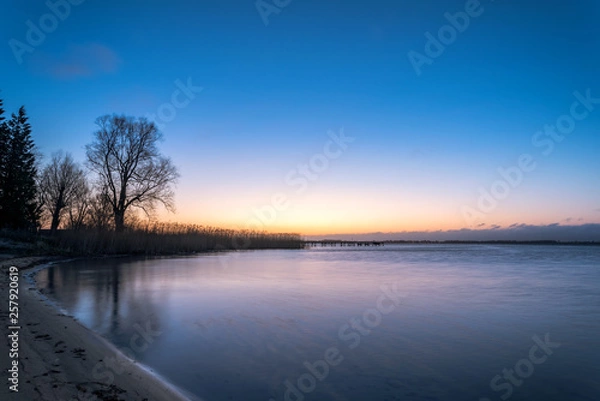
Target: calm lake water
[(407, 322)]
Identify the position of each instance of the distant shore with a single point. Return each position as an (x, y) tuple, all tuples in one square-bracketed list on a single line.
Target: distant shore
[(331, 242), (59, 359)]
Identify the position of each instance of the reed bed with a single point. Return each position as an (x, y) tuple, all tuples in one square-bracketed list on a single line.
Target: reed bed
[(167, 238)]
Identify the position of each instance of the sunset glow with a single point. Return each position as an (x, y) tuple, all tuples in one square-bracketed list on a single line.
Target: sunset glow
[(338, 122)]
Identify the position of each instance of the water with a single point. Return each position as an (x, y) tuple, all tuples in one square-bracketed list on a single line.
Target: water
[(407, 322)]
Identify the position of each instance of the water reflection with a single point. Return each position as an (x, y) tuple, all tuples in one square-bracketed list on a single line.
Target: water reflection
[(256, 329), (106, 297)]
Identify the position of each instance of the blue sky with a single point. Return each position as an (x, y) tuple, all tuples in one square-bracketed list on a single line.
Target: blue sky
[(423, 144)]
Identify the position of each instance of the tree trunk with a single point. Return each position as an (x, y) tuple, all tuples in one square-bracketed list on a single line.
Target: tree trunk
[(56, 214), (119, 221), (120, 209)]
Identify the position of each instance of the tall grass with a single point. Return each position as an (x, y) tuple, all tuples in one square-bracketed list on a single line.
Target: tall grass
[(167, 238)]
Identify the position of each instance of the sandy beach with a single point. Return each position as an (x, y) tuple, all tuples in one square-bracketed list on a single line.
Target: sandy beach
[(60, 359)]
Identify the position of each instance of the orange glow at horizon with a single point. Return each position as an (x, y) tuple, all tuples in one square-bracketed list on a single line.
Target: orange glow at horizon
[(326, 222), (345, 208)]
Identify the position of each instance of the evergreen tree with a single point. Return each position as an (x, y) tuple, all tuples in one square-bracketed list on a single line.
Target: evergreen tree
[(4, 151), (19, 192)]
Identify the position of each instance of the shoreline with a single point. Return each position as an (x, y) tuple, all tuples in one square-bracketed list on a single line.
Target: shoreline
[(59, 359)]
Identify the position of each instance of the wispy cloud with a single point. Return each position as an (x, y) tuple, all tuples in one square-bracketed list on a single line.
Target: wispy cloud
[(79, 61), (518, 232)]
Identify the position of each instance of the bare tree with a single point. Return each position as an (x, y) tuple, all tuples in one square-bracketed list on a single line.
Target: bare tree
[(125, 156), (80, 207), (99, 213), (61, 182)]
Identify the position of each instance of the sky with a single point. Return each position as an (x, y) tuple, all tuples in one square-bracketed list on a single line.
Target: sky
[(330, 117)]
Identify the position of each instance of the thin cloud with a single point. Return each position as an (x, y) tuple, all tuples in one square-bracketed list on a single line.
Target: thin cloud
[(520, 232), (79, 61)]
